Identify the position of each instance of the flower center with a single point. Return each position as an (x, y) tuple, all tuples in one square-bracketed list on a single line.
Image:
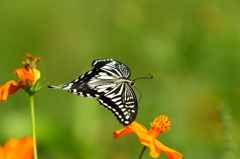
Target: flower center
[(159, 125)]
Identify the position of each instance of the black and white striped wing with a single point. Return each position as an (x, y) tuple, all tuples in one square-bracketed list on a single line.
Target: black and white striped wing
[(108, 80), (93, 83), (113, 67), (122, 102)]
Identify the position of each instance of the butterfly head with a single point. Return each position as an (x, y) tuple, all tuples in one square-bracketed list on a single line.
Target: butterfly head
[(132, 83)]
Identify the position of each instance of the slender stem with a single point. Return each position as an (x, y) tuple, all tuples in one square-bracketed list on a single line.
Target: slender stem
[(33, 127), (140, 156)]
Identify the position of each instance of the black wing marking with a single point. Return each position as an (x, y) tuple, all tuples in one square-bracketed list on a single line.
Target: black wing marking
[(98, 64), (113, 67), (122, 102)]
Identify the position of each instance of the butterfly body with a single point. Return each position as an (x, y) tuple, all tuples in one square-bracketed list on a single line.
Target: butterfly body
[(108, 80)]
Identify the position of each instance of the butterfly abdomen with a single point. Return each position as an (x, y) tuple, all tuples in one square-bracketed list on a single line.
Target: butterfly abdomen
[(65, 86)]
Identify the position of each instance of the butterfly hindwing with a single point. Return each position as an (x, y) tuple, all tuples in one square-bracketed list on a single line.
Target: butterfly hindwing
[(122, 102)]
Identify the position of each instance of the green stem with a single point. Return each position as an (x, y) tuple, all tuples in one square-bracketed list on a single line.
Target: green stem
[(140, 156), (33, 127)]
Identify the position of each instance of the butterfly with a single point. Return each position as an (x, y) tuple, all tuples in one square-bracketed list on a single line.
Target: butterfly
[(108, 81)]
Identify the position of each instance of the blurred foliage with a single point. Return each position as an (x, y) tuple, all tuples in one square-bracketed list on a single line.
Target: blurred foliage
[(190, 47)]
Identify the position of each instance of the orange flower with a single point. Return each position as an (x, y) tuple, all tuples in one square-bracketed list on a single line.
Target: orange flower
[(28, 79), (30, 66), (17, 149), (9, 88), (148, 138), (24, 75)]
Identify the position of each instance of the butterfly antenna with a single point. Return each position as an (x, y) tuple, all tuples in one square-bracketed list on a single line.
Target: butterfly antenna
[(145, 77)]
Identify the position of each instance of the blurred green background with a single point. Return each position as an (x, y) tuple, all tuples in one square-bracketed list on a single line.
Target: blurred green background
[(192, 48)]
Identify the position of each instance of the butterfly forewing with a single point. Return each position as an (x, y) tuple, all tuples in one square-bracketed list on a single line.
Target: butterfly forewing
[(113, 67), (93, 83)]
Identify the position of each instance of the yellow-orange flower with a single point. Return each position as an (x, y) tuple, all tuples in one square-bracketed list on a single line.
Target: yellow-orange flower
[(17, 149), (148, 138), (28, 79)]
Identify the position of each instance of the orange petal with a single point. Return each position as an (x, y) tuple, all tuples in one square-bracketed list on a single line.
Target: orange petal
[(24, 75), (1, 152), (8, 88), (145, 139), (154, 150), (134, 127), (18, 149), (29, 56), (142, 133), (158, 146), (121, 132), (138, 127)]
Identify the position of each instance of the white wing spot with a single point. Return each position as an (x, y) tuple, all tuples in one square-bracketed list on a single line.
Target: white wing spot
[(95, 62), (116, 99), (120, 106), (102, 74), (126, 122), (81, 77), (123, 109), (127, 117), (118, 103), (131, 106), (125, 113)]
